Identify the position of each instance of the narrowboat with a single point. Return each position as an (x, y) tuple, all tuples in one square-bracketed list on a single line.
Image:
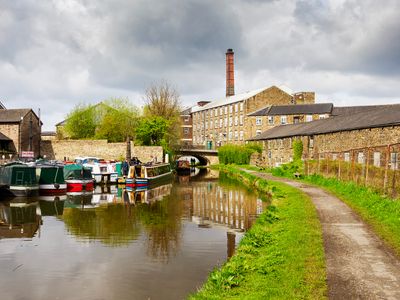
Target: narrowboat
[(102, 171), (52, 205), (51, 179), (148, 174), (78, 178), (18, 179)]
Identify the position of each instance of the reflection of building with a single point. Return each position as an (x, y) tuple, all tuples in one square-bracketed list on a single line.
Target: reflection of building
[(19, 219), (234, 208)]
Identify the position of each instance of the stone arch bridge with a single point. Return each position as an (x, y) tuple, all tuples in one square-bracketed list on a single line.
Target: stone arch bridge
[(206, 157)]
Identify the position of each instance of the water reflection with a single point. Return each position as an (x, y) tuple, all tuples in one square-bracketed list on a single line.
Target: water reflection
[(19, 219)]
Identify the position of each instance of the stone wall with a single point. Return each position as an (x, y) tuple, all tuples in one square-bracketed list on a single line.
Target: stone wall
[(11, 131), (69, 149)]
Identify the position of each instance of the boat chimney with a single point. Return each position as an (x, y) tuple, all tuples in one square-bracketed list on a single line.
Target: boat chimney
[(230, 77)]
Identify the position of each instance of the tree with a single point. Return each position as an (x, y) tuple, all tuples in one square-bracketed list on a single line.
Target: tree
[(162, 100), (81, 122), (152, 131), (119, 122)]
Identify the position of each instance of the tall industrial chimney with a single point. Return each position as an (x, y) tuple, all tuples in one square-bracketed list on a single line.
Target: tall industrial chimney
[(230, 77)]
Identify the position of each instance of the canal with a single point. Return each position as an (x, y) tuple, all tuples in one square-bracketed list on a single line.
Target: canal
[(122, 244)]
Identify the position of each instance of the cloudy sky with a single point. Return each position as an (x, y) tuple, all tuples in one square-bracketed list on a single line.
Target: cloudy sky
[(55, 54)]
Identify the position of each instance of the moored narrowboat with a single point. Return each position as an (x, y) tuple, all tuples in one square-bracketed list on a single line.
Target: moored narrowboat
[(78, 178), (51, 179), (149, 174), (18, 179)]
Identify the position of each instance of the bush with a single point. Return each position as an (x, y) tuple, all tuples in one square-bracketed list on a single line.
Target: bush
[(287, 170), (235, 154), (297, 150)]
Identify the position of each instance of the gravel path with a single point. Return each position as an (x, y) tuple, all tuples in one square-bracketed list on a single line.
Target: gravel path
[(359, 265)]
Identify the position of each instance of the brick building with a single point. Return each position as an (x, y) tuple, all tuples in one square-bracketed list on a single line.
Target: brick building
[(20, 131), (349, 131)]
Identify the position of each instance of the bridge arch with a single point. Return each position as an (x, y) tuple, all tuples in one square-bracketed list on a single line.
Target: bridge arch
[(205, 156), (204, 161)]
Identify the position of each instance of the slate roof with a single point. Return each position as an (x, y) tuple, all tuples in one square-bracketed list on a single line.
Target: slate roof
[(4, 138), (2, 106), (349, 110), (298, 109), (380, 116), (236, 98), (13, 115)]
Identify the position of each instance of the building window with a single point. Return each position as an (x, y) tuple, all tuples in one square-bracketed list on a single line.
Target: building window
[(236, 135), (206, 125), (241, 135), (220, 123), (322, 116), (226, 109), (258, 132), (241, 120), (393, 160), (236, 107), (215, 112), (360, 158), (377, 159), (230, 121), (236, 120), (311, 142), (221, 110), (186, 130), (309, 118), (258, 121), (226, 122), (230, 135), (283, 120), (271, 120), (211, 124), (347, 156), (269, 154), (241, 106), (296, 120), (216, 124), (230, 109)]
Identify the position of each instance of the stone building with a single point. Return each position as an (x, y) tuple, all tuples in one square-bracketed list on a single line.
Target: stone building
[(271, 116), (22, 127), (226, 120), (349, 131)]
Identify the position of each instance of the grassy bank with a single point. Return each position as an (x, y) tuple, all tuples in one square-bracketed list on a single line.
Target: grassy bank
[(280, 257), (381, 212)]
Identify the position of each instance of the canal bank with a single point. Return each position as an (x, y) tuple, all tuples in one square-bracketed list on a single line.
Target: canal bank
[(281, 256)]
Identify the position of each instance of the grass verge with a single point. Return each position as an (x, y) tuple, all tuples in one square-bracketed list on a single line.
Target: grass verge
[(280, 257), (379, 211)]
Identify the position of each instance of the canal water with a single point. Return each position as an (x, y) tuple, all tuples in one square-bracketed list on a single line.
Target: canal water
[(122, 244)]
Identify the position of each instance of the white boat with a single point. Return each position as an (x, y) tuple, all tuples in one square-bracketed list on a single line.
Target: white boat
[(102, 171)]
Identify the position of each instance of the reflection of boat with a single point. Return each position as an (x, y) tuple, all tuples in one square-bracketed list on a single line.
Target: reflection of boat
[(149, 174), (19, 219), (101, 171), (52, 205), (144, 195), (78, 178), (18, 179), (79, 200)]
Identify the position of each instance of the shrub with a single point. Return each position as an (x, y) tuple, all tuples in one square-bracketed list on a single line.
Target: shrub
[(235, 154), (297, 150)]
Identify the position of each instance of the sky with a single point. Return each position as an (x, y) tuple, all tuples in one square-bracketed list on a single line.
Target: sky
[(57, 54)]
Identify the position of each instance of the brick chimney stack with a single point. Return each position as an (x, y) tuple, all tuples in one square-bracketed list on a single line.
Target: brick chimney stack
[(230, 77)]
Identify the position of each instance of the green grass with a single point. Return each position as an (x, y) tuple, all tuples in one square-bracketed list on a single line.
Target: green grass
[(280, 257), (379, 211)]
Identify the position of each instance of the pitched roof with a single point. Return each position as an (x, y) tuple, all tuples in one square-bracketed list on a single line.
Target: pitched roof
[(317, 108), (349, 110), (13, 115), (2, 106), (381, 116), (235, 98), (4, 138)]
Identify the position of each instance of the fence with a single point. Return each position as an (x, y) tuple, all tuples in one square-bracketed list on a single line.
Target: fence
[(376, 167)]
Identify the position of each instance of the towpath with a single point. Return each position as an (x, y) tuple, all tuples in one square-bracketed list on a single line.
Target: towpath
[(359, 265)]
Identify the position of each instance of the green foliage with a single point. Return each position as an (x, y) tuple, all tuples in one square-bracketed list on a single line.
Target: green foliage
[(288, 170), (236, 154), (118, 122), (81, 122), (280, 257), (297, 149), (255, 147), (152, 131)]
